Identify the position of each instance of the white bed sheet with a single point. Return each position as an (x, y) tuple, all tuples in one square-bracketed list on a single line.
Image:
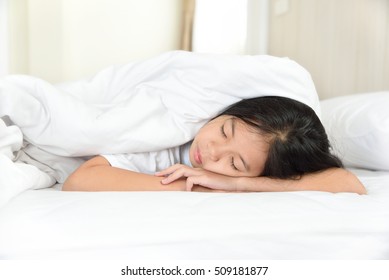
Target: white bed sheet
[(49, 224)]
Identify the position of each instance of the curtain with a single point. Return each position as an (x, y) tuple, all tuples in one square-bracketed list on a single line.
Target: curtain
[(187, 28)]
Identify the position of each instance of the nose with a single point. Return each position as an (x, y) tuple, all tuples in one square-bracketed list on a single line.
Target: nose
[(215, 151)]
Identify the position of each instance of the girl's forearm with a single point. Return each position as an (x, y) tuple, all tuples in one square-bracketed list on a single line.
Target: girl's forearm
[(331, 180), (108, 178)]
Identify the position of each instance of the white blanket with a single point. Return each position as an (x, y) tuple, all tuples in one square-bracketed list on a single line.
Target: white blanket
[(142, 106), (15, 177)]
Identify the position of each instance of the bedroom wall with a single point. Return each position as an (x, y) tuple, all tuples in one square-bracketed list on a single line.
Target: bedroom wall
[(343, 43), (4, 65), (18, 36), (61, 40)]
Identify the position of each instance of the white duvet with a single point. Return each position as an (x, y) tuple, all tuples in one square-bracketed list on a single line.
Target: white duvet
[(126, 108)]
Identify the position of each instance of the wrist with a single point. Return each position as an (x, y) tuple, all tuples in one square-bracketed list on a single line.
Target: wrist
[(242, 184), (251, 184)]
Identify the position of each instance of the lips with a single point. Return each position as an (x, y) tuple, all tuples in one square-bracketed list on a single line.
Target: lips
[(197, 156)]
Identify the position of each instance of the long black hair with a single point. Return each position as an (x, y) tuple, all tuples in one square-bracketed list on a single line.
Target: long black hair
[(298, 143)]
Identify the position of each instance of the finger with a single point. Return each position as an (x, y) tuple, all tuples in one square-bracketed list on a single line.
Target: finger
[(205, 181), (169, 170), (189, 184), (165, 172), (183, 171), (193, 181), (173, 176)]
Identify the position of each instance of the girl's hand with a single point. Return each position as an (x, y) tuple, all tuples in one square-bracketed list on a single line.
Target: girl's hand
[(198, 176)]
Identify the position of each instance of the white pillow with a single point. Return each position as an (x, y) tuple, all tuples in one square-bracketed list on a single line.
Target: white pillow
[(358, 128)]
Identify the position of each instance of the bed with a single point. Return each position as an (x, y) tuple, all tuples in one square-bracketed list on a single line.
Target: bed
[(49, 224), (41, 222)]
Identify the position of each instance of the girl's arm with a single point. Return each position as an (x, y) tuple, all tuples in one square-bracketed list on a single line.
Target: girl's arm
[(98, 175), (330, 180)]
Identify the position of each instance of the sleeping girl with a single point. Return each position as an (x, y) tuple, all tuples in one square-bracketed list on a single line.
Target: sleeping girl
[(256, 145)]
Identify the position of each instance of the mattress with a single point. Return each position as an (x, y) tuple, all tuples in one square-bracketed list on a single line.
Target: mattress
[(50, 224)]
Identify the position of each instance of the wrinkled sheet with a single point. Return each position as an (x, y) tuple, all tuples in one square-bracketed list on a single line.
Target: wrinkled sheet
[(50, 224), (142, 106)]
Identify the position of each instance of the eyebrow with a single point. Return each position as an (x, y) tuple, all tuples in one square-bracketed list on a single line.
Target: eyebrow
[(233, 121)]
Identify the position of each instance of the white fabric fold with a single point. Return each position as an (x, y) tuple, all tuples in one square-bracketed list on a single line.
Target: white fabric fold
[(16, 177)]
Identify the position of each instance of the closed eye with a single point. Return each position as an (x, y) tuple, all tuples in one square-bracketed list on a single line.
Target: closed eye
[(222, 131), (233, 164)]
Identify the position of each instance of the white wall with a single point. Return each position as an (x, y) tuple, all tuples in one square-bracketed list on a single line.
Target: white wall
[(343, 44), (18, 36), (257, 27), (69, 39), (4, 58), (46, 49)]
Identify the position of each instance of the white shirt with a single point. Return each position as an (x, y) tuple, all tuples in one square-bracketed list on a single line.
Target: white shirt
[(149, 163)]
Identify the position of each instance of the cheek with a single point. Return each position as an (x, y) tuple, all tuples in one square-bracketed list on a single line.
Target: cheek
[(258, 165), (216, 167)]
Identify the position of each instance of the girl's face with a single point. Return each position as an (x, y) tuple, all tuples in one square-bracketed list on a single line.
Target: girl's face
[(226, 145)]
